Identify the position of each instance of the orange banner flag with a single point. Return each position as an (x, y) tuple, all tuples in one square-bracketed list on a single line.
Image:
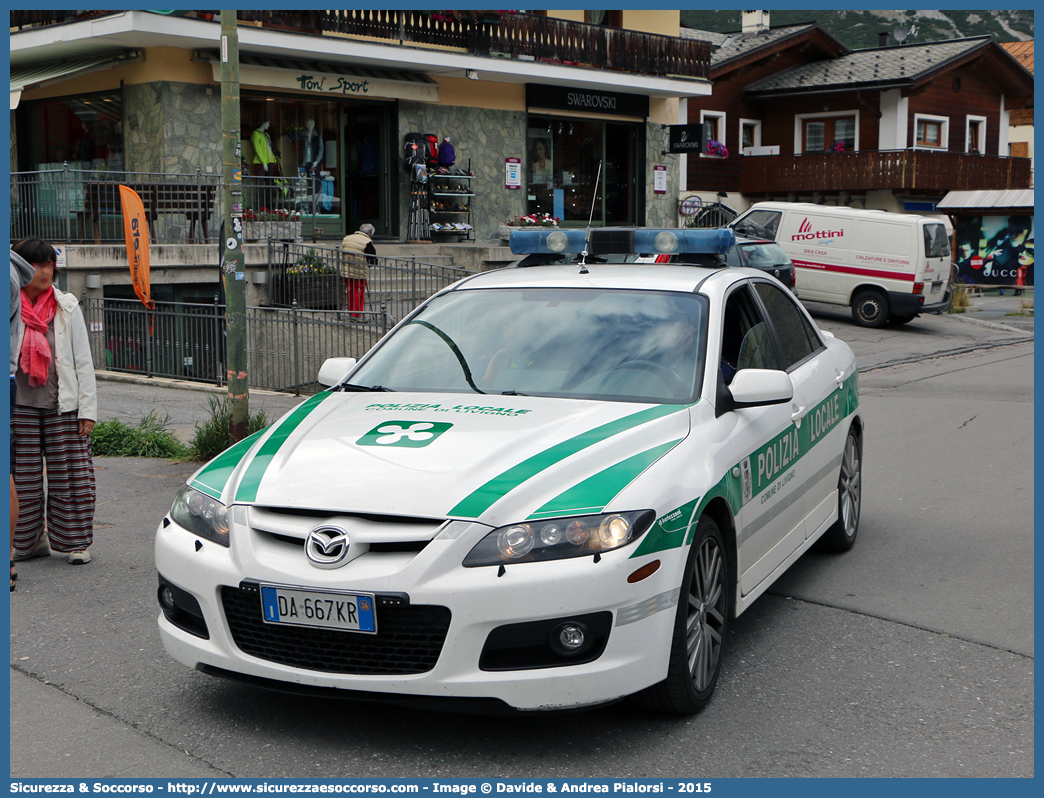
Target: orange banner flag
[(136, 233)]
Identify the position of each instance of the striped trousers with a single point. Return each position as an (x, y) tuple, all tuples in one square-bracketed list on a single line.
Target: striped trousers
[(41, 435)]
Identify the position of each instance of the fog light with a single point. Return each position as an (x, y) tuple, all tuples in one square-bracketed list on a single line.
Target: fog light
[(166, 599), (568, 638)]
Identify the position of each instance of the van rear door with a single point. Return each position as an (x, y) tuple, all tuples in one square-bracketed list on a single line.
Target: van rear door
[(934, 268)]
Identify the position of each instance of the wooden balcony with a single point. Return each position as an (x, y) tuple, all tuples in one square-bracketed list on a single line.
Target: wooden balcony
[(521, 36), (915, 171)]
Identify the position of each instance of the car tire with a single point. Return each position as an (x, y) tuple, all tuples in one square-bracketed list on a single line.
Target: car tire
[(842, 534), (700, 626), (904, 318), (870, 309)]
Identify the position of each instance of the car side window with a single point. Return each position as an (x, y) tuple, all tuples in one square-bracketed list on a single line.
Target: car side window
[(797, 338), (745, 342)]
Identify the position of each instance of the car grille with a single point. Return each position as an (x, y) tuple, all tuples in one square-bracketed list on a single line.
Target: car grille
[(409, 639)]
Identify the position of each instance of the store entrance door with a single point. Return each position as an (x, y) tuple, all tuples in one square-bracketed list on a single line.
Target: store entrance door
[(369, 188)]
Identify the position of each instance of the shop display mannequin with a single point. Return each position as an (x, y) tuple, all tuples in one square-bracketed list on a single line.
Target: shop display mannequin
[(312, 154), (265, 155)]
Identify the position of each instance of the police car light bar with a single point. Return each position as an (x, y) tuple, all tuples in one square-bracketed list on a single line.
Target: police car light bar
[(628, 241)]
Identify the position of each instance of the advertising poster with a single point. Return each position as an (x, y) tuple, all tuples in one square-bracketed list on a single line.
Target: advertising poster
[(538, 145), (513, 173), (995, 250)]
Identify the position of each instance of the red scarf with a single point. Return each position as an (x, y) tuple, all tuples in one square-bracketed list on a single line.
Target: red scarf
[(36, 354)]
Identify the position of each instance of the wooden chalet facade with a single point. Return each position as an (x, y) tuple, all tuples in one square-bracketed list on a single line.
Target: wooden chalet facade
[(804, 118)]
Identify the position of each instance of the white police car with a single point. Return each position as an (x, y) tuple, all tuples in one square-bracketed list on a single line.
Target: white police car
[(551, 486)]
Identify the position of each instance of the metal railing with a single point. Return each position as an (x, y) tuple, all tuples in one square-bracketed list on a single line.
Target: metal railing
[(313, 276), (520, 36), (84, 206), (286, 342), (285, 346)]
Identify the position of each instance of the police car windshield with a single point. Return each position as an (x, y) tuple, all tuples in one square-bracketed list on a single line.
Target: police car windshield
[(621, 345)]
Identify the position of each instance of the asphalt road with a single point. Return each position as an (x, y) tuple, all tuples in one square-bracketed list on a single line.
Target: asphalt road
[(909, 656)]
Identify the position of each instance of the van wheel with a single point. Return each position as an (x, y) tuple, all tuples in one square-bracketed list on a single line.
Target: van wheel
[(870, 309), (904, 318), (698, 642)]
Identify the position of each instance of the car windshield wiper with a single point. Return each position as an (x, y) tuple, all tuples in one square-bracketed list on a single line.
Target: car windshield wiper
[(347, 386)]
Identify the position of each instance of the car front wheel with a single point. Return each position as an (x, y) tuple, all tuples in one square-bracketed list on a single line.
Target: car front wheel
[(702, 618), (842, 535)]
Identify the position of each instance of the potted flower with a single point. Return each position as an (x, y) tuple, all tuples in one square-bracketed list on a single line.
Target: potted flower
[(526, 222), (837, 146), (311, 281), (717, 149)]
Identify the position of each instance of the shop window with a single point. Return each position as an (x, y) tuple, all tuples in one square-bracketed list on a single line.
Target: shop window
[(562, 167), (826, 132), (291, 148), (931, 131), (975, 136), (84, 132)]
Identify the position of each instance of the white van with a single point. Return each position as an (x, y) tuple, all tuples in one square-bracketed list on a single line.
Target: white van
[(887, 266)]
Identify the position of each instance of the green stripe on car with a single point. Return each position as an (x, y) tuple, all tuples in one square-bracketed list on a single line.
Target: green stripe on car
[(486, 496), (781, 452), (593, 494), (212, 479), (251, 480)]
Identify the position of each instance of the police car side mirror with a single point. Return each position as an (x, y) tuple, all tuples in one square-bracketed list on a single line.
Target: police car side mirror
[(335, 369), (755, 388)]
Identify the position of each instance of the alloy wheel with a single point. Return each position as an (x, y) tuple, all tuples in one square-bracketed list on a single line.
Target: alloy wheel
[(705, 622)]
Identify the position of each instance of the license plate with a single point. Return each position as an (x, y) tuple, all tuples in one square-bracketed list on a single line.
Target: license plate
[(348, 612)]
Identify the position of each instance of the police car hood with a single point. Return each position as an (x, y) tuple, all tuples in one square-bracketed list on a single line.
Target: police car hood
[(446, 455)]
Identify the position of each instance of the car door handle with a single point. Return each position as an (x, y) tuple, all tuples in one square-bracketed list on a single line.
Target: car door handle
[(798, 414), (839, 378)]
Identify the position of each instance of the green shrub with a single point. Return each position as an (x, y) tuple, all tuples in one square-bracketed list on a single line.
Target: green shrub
[(211, 437), (151, 438), (961, 300)]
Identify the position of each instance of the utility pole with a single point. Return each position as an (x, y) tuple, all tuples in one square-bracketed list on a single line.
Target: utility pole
[(234, 276)]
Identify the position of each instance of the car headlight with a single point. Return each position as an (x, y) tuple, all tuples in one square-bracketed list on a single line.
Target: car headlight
[(559, 538), (201, 515)]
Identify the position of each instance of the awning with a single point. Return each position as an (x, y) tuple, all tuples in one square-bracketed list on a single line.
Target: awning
[(986, 200), (329, 79), (37, 75)]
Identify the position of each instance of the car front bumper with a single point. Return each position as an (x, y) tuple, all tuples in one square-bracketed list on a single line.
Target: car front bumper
[(478, 599)]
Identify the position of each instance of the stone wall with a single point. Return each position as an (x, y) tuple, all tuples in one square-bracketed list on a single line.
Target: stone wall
[(486, 138), (172, 128), (661, 210)]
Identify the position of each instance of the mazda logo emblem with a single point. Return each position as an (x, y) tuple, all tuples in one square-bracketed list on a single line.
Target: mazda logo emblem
[(327, 547)]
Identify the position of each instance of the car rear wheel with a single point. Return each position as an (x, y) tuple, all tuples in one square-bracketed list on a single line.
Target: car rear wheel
[(870, 309), (700, 625), (842, 535)]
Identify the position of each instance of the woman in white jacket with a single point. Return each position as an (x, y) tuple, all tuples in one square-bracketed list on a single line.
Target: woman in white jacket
[(55, 410)]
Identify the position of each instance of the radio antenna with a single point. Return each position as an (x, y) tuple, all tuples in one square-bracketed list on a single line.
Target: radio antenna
[(587, 235)]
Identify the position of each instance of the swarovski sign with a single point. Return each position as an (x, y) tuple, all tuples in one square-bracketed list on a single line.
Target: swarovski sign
[(561, 98), (688, 138)]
